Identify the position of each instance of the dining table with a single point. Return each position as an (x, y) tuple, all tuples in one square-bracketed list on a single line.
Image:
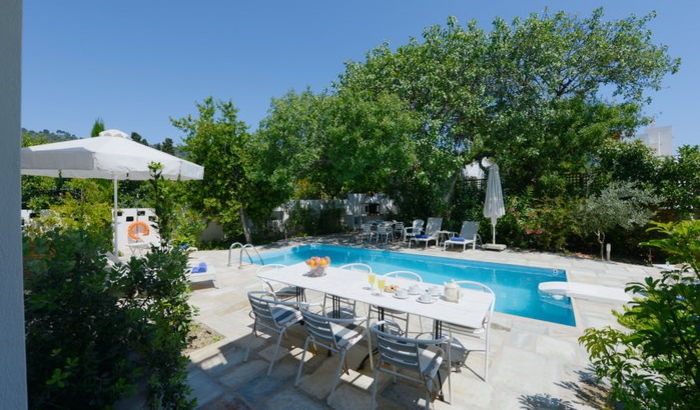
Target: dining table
[(469, 311)]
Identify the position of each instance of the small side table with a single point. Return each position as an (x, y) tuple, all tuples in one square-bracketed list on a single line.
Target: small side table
[(446, 235)]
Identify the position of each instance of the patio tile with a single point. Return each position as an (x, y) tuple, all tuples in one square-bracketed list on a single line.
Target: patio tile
[(564, 350), (244, 373), (292, 399), (204, 389), (259, 389), (226, 402)]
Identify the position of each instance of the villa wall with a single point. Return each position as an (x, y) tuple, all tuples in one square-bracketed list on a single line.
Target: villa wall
[(354, 205), (13, 386)]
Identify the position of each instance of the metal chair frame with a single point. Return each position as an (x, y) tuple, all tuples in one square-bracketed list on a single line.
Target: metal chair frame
[(475, 333), (346, 306), (402, 352), (284, 293), (395, 314), (322, 332), (264, 318)]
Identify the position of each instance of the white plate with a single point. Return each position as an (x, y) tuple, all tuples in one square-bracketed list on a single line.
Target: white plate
[(400, 297), (417, 291), (432, 300)]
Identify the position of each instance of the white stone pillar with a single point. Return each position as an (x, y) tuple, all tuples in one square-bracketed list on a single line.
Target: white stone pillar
[(13, 384)]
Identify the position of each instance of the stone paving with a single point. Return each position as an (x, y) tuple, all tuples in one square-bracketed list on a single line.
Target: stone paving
[(533, 364)]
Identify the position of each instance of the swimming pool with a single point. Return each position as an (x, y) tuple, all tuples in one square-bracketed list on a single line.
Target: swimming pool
[(515, 286)]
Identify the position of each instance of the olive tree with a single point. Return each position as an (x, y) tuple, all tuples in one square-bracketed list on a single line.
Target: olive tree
[(620, 205)]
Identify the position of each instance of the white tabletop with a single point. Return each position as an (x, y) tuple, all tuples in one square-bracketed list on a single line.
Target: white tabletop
[(470, 311)]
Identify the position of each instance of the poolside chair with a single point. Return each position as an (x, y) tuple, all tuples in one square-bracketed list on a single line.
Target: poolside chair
[(408, 355), (415, 229), (384, 230), (273, 316), (398, 230), (201, 272), (336, 335), (431, 232), (366, 232), (469, 234), (343, 307), (459, 351), (279, 290), (396, 314)]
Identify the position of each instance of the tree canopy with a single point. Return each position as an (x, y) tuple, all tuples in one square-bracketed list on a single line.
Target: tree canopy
[(537, 94)]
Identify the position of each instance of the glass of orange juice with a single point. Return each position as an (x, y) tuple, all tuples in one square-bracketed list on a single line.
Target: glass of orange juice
[(371, 277), (381, 282)]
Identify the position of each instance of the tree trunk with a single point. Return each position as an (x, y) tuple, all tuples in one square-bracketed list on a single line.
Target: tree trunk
[(246, 226), (601, 241)]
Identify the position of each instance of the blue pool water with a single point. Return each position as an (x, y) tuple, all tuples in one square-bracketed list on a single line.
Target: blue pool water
[(515, 286)]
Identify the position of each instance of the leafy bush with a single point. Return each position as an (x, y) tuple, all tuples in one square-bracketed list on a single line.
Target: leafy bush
[(305, 221), (77, 338), (655, 362), (81, 213), (154, 292), (679, 184), (92, 330), (330, 220), (620, 205), (547, 223)]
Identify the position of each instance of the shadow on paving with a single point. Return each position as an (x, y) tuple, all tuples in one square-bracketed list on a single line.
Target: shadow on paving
[(220, 379), (587, 390)]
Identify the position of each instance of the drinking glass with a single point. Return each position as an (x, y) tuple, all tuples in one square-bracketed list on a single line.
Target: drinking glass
[(370, 278), (380, 283)]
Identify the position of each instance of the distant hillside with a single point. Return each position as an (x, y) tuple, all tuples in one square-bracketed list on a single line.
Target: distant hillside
[(30, 137), (45, 136)]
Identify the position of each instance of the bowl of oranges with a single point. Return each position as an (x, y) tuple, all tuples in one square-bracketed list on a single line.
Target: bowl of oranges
[(317, 265)]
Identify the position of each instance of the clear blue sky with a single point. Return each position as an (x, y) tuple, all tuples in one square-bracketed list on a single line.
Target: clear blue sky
[(137, 63)]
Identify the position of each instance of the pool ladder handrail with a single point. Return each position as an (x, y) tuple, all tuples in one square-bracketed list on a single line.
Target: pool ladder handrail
[(243, 248)]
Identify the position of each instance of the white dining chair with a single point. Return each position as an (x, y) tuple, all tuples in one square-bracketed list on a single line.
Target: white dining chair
[(418, 359), (273, 316), (279, 290), (460, 351), (395, 314), (335, 335), (344, 307)]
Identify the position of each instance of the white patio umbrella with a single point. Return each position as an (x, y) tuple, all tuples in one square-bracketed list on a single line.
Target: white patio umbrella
[(493, 204), (111, 155)]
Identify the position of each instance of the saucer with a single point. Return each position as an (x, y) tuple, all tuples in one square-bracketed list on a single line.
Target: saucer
[(396, 295), (414, 291), (427, 302)]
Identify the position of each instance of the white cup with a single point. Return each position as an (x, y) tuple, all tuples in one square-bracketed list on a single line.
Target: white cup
[(402, 292)]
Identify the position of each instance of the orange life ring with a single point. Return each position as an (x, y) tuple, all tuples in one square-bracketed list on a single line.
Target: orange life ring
[(132, 230)]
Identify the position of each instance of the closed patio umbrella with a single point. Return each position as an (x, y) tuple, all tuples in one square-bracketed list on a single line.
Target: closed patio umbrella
[(493, 204), (111, 155)]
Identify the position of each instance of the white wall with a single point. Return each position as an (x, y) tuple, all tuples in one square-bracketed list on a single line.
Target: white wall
[(13, 386), (127, 217)]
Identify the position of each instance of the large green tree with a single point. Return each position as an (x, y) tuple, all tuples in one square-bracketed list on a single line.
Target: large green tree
[(349, 142), (217, 140), (538, 94)]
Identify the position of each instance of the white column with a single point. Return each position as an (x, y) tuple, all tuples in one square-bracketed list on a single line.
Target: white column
[(13, 385)]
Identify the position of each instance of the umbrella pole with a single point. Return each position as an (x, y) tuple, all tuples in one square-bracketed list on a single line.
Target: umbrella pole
[(493, 233), (114, 214)]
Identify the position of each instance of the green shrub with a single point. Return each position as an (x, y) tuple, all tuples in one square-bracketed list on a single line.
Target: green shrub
[(92, 331), (330, 220), (304, 221), (154, 292), (655, 362), (546, 224)]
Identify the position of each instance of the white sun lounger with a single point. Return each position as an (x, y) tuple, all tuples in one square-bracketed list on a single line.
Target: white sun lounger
[(586, 291)]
